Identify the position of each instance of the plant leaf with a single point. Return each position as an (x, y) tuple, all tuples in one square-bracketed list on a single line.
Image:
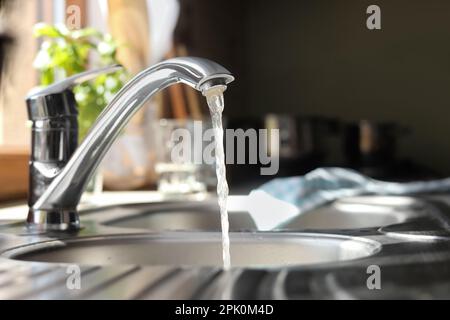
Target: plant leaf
[(45, 30), (85, 33)]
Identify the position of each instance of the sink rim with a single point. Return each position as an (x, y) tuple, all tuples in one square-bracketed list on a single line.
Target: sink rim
[(401, 213), (372, 246)]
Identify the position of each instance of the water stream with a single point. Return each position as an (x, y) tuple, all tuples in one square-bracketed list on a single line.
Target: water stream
[(216, 105)]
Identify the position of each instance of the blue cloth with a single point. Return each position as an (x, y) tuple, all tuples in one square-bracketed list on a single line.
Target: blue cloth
[(328, 184)]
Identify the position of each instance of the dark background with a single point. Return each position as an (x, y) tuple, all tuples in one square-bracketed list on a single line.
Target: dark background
[(317, 57)]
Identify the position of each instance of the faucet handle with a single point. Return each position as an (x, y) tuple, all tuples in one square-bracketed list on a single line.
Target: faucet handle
[(72, 81), (57, 100), (53, 112)]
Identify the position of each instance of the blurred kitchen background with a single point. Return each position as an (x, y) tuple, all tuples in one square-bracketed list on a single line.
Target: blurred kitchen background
[(377, 101)]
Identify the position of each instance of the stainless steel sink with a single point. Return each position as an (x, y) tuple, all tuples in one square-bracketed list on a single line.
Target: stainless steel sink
[(359, 213), (201, 216), (199, 249), (351, 213)]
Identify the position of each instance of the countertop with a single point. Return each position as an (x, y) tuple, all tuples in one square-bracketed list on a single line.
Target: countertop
[(414, 262)]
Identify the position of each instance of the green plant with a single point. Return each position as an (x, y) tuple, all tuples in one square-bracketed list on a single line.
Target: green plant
[(64, 53)]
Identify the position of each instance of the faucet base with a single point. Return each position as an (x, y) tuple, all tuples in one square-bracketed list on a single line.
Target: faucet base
[(53, 220)]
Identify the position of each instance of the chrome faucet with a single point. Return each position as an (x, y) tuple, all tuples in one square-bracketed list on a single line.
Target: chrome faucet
[(56, 208)]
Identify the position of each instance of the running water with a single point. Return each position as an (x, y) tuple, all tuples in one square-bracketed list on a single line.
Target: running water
[(216, 105)]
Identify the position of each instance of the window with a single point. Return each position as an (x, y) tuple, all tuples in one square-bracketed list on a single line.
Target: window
[(17, 79)]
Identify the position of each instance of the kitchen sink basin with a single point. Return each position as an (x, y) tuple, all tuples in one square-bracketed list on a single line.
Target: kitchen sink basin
[(200, 249), (351, 213), (202, 216), (358, 213)]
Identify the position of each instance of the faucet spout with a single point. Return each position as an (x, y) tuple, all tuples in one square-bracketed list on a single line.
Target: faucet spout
[(56, 209)]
